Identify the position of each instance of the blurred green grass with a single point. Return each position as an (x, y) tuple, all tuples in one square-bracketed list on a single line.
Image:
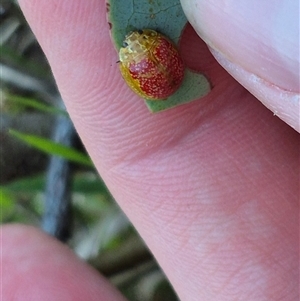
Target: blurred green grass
[(102, 235)]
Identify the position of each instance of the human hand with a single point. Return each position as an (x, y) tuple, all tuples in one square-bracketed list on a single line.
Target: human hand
[(212, 186), (258, 44)]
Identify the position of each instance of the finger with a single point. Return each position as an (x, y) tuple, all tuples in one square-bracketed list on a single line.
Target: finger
[(204, 183), (37, 267), (112, 121), (258, 43)]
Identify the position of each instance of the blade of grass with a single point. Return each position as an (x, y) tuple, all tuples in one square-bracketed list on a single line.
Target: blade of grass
[(52, 148), (30, 102), (29, 184), (87, 183), (7, 204)]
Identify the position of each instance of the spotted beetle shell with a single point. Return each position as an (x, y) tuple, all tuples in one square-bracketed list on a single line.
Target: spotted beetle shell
[(151, 64)]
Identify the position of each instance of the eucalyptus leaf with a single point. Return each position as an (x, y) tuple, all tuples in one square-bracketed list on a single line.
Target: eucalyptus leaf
[(166, 17)]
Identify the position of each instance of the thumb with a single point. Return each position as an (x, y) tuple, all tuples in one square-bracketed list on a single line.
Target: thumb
[(257, 42)]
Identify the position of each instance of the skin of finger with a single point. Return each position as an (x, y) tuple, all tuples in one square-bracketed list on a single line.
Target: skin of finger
[(258, 44), (284, 104), (211, 186), (37, 267)]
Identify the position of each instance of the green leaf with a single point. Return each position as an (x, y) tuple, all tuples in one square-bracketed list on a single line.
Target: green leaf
[(166, 17), (12, 57), (32, 184), (6, 204), (53, 148), (87, 183), (30, 102)]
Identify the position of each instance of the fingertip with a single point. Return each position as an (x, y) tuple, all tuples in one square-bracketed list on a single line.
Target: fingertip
[(262, 37), (283, 104), (258, 44), (38, 267)]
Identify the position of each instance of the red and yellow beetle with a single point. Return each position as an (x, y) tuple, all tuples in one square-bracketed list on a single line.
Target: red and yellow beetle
[(150, 64)]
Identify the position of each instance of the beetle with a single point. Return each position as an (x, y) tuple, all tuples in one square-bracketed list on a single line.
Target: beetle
[(150, 64)]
